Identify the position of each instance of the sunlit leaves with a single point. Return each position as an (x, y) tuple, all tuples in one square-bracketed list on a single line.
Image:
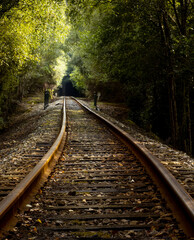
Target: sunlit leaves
[(78, 78), (59, 68), (30, 32)]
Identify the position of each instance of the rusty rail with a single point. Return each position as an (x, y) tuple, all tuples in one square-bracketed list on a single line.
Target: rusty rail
[(180, 202), (24, 191), (178, 199)]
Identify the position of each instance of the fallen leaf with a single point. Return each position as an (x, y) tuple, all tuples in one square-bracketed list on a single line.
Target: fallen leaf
[(38, 220), (28, 205)]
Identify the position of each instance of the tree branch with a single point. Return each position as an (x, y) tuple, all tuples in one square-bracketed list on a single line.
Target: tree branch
[(176, 15)]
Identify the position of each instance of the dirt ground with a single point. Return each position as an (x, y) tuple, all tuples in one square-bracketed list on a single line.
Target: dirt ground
[(23, 121)]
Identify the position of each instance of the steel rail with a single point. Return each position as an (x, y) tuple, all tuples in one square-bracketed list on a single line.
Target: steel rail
[(24, 191), (180, 202)]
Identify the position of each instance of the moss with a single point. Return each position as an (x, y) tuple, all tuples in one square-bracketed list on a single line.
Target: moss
[(77, 222), (35, 100), (130, 122), (100, 234)]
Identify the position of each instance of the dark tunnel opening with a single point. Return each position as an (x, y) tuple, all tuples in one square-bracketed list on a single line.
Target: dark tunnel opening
[(68, 89)]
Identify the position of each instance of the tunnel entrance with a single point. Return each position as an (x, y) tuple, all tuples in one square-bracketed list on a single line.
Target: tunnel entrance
[(68, 89)]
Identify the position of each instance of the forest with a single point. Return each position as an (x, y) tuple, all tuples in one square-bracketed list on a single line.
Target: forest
[(136, 52)]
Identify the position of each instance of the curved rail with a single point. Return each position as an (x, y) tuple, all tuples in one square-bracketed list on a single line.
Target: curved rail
[(180, 202), (21, 194), (178, 199)]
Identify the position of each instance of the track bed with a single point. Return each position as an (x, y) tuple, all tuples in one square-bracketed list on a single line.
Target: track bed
[(98, 190)]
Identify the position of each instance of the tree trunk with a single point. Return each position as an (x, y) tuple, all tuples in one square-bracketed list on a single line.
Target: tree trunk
[(166, 42), (20, 91), (173, 109), (185, 124)]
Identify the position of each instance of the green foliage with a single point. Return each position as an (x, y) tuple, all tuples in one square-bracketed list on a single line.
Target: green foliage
[(31, 47), (145, 47), (78, 78)]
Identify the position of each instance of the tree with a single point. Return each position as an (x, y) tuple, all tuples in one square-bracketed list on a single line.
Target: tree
[(144, 47), (174, 20), (31, 43)]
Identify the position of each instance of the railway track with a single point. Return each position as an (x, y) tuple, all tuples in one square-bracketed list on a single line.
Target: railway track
[(99, 190), (18, 164), (178, 163)]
